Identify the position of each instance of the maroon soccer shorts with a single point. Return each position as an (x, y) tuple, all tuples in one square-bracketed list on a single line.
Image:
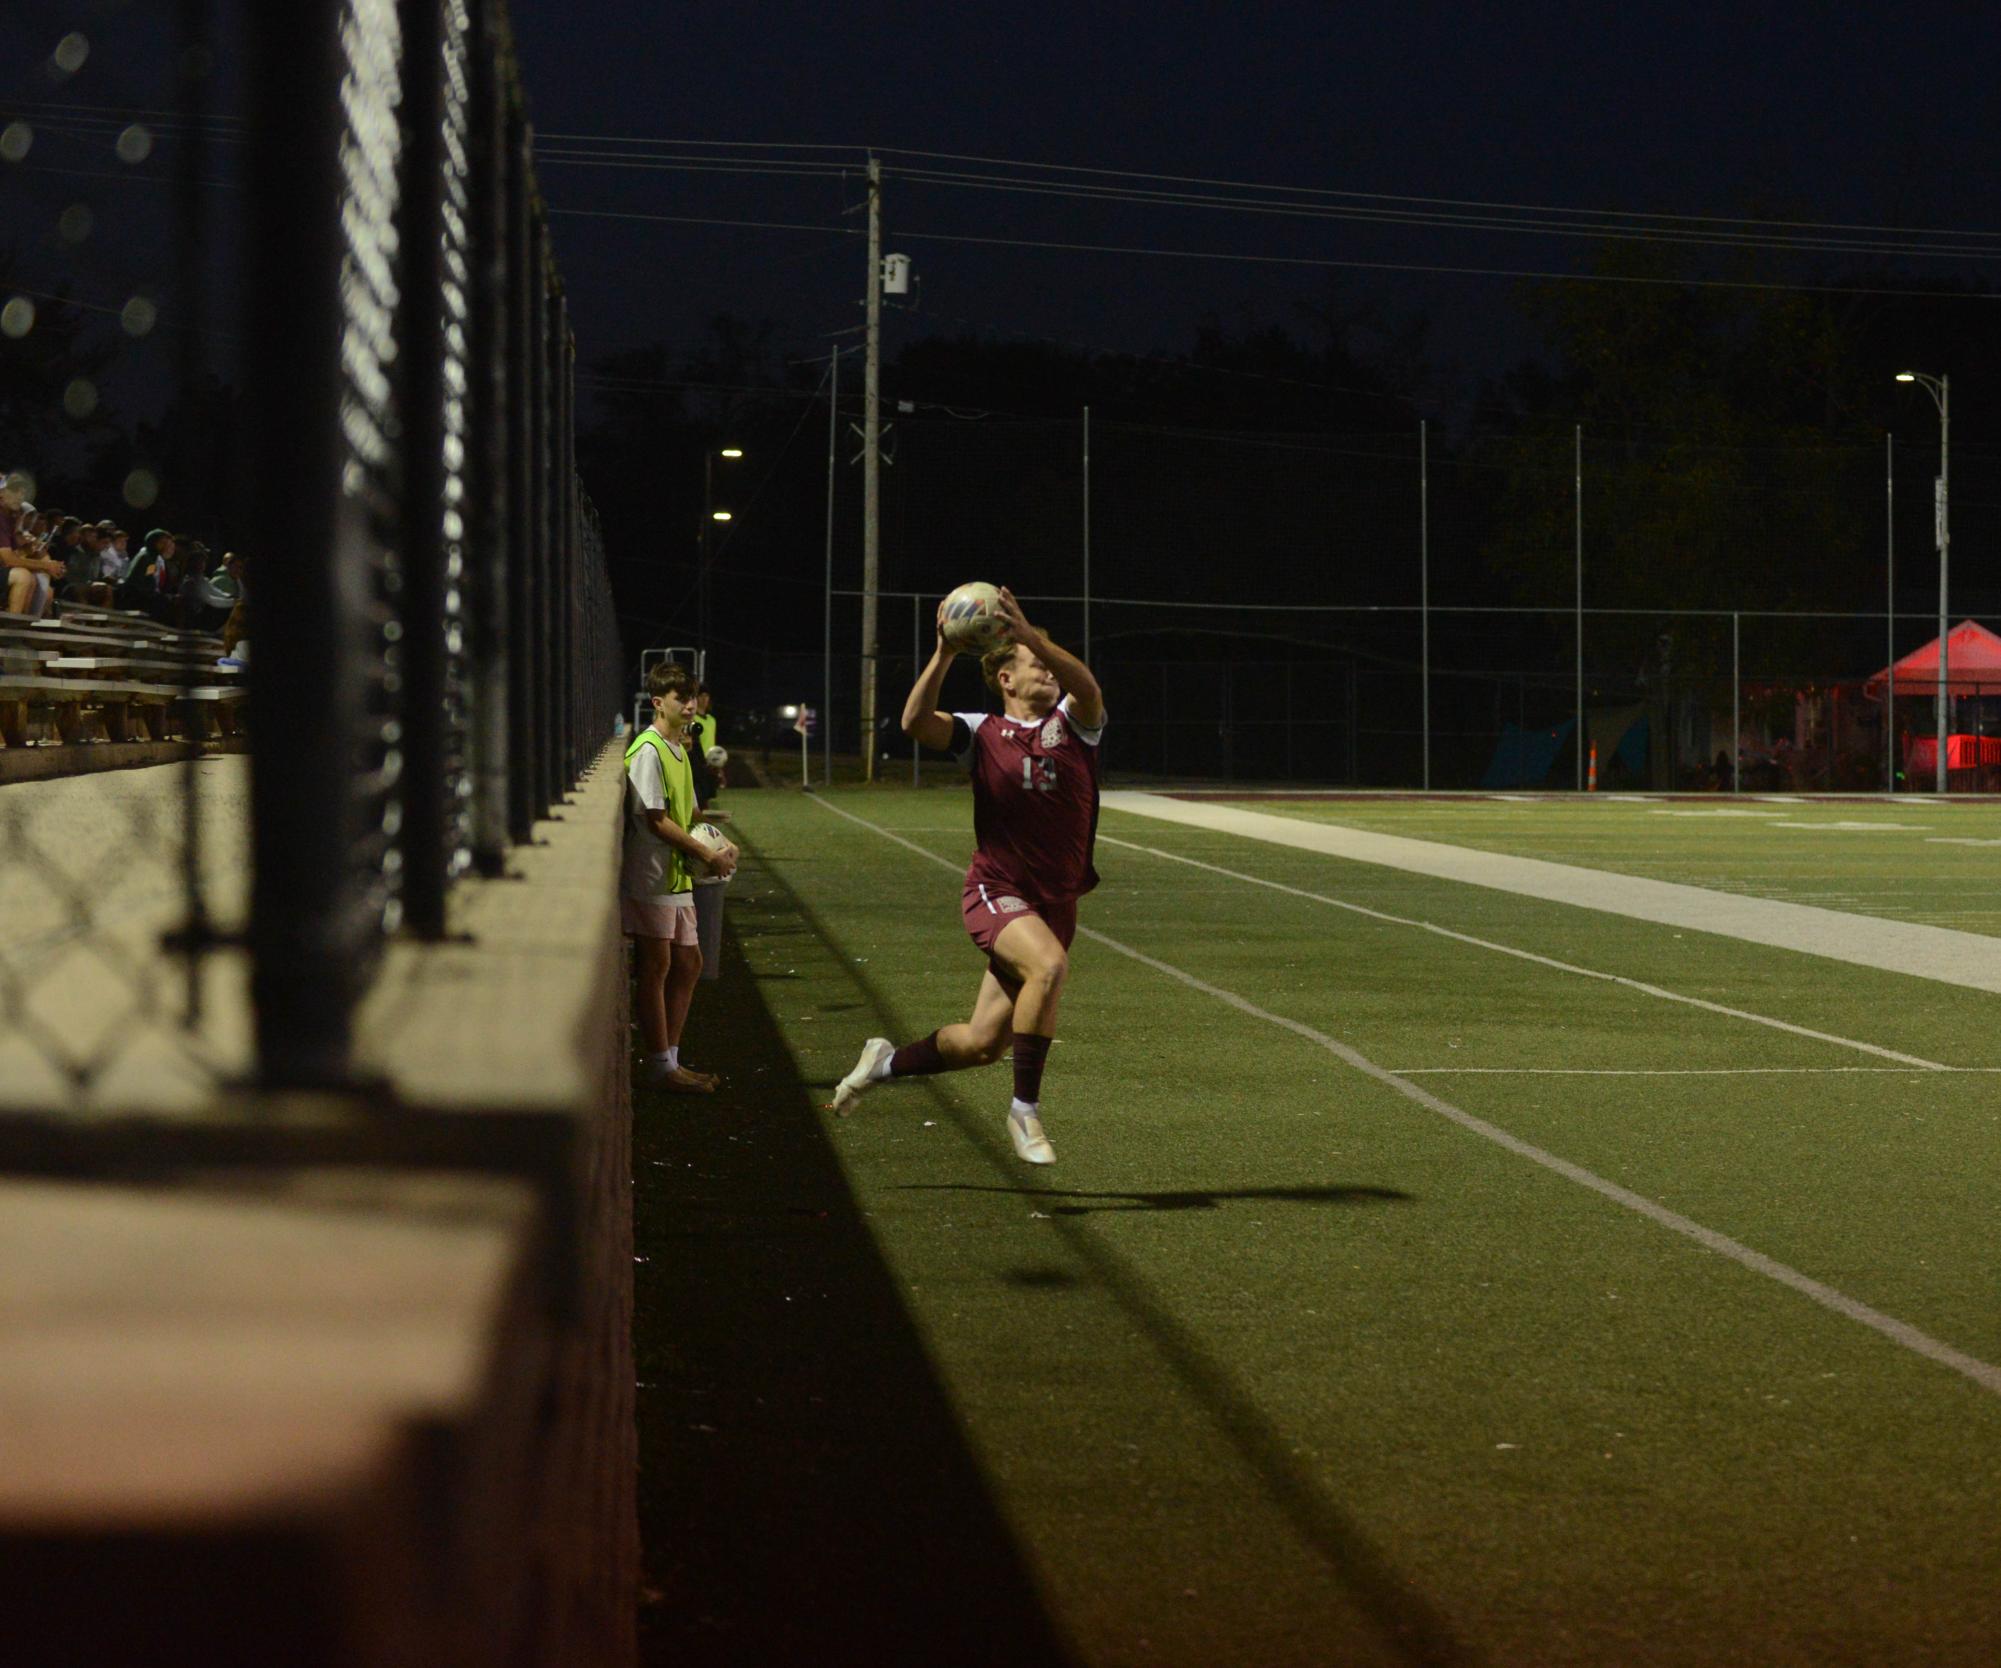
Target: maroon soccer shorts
[(988, 911)]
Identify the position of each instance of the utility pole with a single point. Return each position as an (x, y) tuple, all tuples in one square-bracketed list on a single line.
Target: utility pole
[(1942, 532), (871, 469), (702, 550), (1940, 389), (827, 665)]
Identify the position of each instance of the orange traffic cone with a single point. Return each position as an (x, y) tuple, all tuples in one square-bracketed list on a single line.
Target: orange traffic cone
[(1591, 771)]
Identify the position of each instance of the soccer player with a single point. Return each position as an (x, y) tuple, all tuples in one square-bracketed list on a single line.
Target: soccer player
[(656, 881), (1035, 821)]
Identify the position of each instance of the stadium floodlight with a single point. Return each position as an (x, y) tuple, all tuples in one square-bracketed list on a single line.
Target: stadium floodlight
[(1940, 389), (730, 452), (719, 515)]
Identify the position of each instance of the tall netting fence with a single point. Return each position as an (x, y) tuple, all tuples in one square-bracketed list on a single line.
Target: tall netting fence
[(1535, 608), (283, 284), (443, 639)]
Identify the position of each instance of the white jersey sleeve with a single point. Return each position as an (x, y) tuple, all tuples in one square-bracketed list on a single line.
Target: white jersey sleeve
[(1090, 738), (649, 787)]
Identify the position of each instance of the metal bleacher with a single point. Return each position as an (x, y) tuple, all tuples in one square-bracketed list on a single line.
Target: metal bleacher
[(94, 676)]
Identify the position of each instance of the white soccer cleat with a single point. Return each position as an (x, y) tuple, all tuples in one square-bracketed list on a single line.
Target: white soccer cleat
[(1030, 1144), (850, 1088)]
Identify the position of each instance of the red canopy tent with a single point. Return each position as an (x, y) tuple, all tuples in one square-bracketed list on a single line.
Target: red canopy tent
[(1972, 666)]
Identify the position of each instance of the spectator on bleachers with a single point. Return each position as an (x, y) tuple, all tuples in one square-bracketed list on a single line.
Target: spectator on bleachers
[(31, 571), (212, 597), (113, 557), (75, 546), (193, 561), (145, 576), (67, 545)]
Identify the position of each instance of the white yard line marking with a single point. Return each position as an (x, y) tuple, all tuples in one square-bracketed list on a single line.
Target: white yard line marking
[(1659, 991), (1982, 1373), (1858, 827), (1663, 812), (1669, 1071), (1971, 960)]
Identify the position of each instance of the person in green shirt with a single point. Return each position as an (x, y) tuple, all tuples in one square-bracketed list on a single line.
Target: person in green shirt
[(704, 735), (656, 879)]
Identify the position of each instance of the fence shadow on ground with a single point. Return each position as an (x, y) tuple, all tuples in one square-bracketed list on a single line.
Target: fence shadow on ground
[(805, 1493), (1403, 1620)]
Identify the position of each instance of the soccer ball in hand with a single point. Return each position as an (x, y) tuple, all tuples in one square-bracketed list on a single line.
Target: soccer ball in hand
[(973, 620), (708, 835)]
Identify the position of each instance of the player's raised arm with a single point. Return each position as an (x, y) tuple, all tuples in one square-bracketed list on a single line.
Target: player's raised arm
[(1073, 677), (923, 722)]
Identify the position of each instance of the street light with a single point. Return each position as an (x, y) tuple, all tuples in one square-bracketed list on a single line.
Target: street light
[(710, 516), (1940, 389)]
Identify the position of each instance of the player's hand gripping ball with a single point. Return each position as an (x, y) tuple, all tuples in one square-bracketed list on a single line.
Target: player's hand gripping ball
[(971, 620), (711, 838)]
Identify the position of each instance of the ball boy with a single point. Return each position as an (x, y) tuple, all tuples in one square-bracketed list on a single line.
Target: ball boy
[(656, 881)]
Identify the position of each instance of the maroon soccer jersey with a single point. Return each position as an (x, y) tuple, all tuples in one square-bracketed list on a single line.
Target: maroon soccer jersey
[(1035, 802)]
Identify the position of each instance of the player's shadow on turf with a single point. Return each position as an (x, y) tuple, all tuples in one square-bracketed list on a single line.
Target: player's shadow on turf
[(1180, 1199)]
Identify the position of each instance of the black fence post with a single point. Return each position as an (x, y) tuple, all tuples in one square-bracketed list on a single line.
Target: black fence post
[(524, 290), (422, 391), (543, 458), (567, 645), (310, 501), (491, 536)]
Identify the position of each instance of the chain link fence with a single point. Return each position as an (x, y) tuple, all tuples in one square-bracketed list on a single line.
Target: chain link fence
[(1484, 609), (363, 369)]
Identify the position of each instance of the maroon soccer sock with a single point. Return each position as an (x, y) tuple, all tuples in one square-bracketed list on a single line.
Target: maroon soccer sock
[(918, 1059), (1031, 1053)]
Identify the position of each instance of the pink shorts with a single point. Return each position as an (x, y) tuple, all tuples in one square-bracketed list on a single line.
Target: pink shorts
[(671, 918), (987, 912)]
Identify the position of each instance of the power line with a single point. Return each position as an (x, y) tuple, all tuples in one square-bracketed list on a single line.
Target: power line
[(1225, 184), (905, 234), (1490, 220), (1290, 260), (1592, 230), (857, 154), (706, 220)]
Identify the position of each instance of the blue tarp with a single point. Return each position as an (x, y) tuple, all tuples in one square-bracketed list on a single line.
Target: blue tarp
[(1632, 750), (1523, 757)]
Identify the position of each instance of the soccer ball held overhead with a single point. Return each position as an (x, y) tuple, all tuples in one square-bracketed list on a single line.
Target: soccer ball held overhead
[(973, 620)]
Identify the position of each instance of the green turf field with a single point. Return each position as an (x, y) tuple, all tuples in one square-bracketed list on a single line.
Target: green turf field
[(1340, 1332)]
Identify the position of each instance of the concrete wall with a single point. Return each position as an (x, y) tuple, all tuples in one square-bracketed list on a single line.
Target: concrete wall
[(343, 1380)]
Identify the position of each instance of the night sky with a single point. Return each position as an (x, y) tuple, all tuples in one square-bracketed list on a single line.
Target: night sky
[(1495, 143), (1883, 120)]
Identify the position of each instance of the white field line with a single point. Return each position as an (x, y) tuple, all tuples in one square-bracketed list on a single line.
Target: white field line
[(1971, 960), (1982, 1373), (1669, 1071), (1659, 991)]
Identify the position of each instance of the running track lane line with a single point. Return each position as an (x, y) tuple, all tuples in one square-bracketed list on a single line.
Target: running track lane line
[(1660, 991), (1982, 1373)]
